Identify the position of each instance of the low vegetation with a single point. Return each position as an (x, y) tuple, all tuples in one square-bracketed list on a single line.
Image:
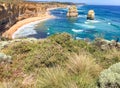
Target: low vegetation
[(56, 62), (110, 78)]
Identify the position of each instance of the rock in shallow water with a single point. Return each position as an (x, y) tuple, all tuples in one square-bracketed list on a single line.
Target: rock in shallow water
[(91, 15), (72, 12)]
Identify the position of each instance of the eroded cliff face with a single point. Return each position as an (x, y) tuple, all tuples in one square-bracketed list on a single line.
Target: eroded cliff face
[(10, 13)]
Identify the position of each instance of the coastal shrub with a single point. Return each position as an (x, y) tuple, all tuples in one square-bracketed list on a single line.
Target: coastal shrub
[(36, 54), (61, 38), (77, 62), (68, 43), (110, 78), (3, 39), (106, 58), (3, 44)]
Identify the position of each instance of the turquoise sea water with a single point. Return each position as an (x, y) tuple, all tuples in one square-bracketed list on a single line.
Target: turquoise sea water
[(106, 24)]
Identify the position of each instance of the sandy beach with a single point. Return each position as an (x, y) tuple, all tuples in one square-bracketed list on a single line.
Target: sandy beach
[(15, 27)]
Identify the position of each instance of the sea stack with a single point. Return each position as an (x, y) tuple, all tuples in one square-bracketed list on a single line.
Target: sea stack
[(91, 15), (72, 12)]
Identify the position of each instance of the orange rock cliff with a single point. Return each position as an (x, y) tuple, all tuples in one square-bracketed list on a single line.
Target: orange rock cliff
[(10, 13)]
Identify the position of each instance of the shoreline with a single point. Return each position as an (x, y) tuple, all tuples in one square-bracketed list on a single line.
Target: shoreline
[(16, 34), (9, 33)]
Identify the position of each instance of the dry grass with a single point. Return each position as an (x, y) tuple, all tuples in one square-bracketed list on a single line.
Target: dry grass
[(113, 53), (54, 78), (83, 63), (83, 69), (15, 84)]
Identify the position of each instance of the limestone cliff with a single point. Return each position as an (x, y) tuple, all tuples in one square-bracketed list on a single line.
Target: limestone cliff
[(10, 13)]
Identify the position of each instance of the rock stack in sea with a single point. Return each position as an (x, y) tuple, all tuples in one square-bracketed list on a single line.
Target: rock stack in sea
[(72, 12), (91, 15)]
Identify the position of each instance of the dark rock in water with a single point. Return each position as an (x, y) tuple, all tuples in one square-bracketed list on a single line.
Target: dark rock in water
[(91, 15), (72, 12)]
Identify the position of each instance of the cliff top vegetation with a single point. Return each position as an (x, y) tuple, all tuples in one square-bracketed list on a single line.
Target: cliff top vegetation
[(56, 62)]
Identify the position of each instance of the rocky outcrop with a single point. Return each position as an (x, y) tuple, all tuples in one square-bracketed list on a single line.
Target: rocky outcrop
[(72, 12), (91, 15), (106, 44), (5, 58)]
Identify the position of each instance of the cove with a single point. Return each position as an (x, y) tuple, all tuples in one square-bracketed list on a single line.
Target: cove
[(106, 24)]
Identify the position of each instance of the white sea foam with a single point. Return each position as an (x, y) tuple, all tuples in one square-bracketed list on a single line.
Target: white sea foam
[(62, 12), (81, 15), (109, 23), (78, 38), (81, 10), (91, 21), (85, 25), (26, 30), (48, 33), (77, 31)]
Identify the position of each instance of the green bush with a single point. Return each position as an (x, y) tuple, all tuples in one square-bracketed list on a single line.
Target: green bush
[(110, 78), (61, 38)]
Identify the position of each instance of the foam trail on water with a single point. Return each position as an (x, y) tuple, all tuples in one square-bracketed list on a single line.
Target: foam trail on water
[(81, 15), (81, 10), (91, 21), (62, 12), (85, 25), (109, 23), (48, 33), (78, 38), (77, 31)]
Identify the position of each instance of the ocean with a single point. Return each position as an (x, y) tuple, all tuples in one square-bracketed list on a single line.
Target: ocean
[(105, 25)]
